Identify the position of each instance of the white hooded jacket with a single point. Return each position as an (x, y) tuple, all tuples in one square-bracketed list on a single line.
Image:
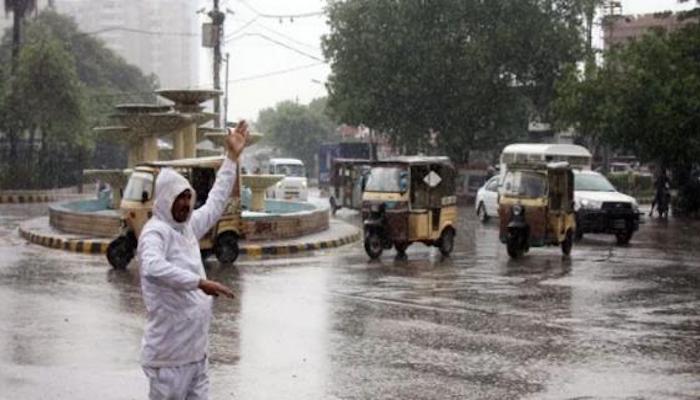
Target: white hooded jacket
[(178, 313)]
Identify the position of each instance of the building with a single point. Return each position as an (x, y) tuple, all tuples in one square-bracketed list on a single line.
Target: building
[(161, 37), (619, 29)]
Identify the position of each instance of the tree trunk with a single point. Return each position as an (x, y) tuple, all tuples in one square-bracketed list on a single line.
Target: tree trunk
[(16, 36)]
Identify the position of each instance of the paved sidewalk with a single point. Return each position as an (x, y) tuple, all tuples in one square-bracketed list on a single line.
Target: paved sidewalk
[(339, 233)]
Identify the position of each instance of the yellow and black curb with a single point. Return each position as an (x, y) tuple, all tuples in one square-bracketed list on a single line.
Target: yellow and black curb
[(85, 246), (27, 198), (99, 246), (256, 251)]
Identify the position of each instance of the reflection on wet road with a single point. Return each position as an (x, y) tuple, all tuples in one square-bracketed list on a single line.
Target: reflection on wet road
[(610, 322)]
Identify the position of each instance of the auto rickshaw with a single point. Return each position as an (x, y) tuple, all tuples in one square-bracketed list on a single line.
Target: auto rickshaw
[(348, 179), (137, 204), (536, 207), (407, 200)]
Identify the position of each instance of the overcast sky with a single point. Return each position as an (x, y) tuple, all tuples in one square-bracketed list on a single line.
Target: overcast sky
[(275, 59)]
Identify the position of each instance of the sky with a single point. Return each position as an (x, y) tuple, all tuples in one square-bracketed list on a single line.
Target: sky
[(273, 59)]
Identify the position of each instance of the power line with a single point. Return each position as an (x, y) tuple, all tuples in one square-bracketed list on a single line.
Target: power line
[(273, 73), (277, 42), (141, 31), (278, 33), (247, 24), (281, 16)]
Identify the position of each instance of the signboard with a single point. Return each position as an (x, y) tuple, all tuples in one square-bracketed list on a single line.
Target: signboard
[(208, 35)]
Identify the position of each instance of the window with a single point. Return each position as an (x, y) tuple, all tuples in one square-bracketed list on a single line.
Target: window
[(290, 170), (139, 183), (387, 179), (592, 183), (492, 185), (525, 184)]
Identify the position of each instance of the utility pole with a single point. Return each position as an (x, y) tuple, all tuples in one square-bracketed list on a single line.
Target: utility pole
[(217, 21), (226, 93)]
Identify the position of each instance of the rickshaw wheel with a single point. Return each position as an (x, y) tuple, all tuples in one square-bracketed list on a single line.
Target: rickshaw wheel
[(567, 244), (226, 248), (513, 246), (334, 205), (401, 247), (121, 250), (623, 237), (447, 241), (373, 245)]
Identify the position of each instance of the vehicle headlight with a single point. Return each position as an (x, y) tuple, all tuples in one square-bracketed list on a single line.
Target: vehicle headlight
[(304, 184), (517, 210), (591, 204)]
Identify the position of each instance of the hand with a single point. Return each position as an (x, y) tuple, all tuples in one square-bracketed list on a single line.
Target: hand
[(213, 288), (237, 139)]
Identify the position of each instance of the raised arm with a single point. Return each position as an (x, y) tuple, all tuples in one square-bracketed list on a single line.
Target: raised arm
[(155, 267), (206, 216)]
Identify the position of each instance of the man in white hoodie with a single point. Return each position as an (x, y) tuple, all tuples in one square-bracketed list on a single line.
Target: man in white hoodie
[(175, 288)]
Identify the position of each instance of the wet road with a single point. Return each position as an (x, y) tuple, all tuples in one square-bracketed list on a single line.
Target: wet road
[(610, 322)]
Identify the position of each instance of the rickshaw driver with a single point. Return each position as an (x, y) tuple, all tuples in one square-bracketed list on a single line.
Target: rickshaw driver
[(175, 288)]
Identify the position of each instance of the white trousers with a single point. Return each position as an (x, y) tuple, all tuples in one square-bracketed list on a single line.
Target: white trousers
[(186, 382)]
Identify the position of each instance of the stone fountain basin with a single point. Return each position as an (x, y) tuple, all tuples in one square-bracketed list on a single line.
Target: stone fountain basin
[(189, 96), (282, 219), (150, 124), (218, 135), (142, 108)]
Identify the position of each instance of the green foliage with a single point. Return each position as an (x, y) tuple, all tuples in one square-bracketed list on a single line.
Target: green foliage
[(67, 82), (45, 100), (645, 99), (633, 184), (471, 72), (297, 130)]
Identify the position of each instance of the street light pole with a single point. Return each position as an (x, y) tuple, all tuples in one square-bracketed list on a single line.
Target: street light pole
[(226, 93), (217, 20)]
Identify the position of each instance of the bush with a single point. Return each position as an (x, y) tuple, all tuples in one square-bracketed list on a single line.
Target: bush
[(633, 184)]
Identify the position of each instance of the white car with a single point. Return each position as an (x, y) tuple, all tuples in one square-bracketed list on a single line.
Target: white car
[(294, 186), (486, 203), (600, 208)]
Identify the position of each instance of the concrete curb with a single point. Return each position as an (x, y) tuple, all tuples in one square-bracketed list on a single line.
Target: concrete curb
[(99, 246), (86, 246), (27, 198)]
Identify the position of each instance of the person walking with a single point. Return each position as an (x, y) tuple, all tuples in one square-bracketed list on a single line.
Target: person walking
[(174, 285)]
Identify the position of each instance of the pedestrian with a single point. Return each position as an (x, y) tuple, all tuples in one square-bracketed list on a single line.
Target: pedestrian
[(175, 288), (661, 187)]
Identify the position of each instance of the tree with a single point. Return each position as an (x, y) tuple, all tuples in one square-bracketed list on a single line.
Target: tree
[(467, 73), (103, 79), (297, 130), (47, 101), (645, 99), (19, 9)]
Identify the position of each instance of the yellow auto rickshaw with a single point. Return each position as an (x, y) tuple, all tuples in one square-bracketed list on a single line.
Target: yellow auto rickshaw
[(348, 179), (137, 204), (536, 207), (407, 200)]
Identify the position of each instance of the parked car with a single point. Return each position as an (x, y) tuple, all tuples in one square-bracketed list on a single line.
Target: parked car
[(600, 208), (486, 203)]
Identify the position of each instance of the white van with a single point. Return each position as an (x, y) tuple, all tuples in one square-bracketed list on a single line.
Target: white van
[(577, 156), (294, 186)]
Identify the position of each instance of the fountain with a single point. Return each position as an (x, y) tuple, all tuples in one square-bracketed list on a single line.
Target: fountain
[(139, 126), (115, 178), (187, 102), (258, 184)]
